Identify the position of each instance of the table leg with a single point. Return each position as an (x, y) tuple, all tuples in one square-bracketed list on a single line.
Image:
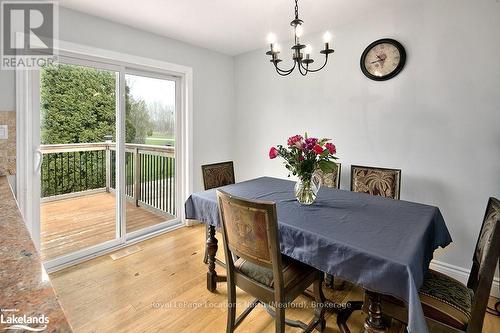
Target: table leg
[(374, 322), (212, 251)]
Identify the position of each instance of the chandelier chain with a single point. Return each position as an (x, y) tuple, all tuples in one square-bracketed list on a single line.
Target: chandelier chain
[(296, 9)]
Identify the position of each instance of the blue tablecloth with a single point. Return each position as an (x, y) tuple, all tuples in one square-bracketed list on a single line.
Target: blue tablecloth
[(381, 244)]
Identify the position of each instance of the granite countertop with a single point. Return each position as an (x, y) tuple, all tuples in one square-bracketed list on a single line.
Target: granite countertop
[(26, 293)]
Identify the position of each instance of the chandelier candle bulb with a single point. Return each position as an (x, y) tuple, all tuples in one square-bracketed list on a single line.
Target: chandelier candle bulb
[(271, 38), (327, 37), (299, 31)]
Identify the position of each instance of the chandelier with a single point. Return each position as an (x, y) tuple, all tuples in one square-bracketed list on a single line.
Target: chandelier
[(298, 49)]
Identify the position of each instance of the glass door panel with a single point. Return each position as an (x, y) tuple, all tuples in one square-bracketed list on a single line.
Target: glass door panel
[(77, 174), (150, 151)]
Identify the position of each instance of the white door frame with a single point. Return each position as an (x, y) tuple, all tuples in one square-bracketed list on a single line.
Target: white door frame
[(27, 114)]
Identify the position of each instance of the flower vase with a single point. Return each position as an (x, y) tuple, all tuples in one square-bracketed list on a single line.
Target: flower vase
[(306, 190)]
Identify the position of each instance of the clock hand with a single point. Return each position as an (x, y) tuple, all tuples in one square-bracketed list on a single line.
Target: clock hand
[(377, 61)]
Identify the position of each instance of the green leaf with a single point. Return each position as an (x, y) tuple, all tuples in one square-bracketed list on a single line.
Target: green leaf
[(327, 166)]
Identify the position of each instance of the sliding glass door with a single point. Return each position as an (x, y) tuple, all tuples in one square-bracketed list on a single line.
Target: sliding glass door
[(108, 162), (150, 150), (78, 112)]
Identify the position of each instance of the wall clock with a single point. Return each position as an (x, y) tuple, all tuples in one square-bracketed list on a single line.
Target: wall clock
[(383, 59)]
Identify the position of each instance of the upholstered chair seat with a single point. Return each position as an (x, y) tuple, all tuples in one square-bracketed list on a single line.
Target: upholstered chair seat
[(294, 272), (446, 300)]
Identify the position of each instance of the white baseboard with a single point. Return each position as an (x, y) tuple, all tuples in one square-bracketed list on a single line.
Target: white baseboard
[(461, 274)]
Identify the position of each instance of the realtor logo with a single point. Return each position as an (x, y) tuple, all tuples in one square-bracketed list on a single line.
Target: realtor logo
[(11, 320), (29, 31)]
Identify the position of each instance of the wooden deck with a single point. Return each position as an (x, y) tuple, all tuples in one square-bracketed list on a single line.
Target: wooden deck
[(73, 224)]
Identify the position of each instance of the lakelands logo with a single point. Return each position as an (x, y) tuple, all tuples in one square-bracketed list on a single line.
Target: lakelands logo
[(28, 34), (12, 321)]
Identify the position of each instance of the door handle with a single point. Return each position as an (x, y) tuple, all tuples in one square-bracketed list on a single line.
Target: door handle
[(38, 166)]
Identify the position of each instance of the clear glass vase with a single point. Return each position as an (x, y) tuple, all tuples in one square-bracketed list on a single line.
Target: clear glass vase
[(306, 190)]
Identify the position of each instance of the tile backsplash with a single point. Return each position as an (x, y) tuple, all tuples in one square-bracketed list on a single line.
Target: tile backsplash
[(8, 146)]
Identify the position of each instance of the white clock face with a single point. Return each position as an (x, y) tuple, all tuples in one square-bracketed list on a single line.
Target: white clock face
[(382, 59)]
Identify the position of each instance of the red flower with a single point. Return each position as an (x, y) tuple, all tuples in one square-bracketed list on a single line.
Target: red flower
[(331, 148), (273, 153), (318, 149)]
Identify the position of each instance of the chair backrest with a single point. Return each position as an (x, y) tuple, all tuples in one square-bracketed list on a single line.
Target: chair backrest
[(331, 179), (376, 181), (250, 230), (485, 259), (217, 174)]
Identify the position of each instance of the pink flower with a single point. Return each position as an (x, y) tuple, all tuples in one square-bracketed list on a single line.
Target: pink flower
[(331, 148), (273, 153), (318, 149), (293, 140)]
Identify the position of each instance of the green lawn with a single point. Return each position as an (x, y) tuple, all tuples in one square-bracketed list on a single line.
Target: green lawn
[(160, 139)]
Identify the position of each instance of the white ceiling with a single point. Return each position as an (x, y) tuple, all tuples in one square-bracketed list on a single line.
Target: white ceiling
[(227, 26)]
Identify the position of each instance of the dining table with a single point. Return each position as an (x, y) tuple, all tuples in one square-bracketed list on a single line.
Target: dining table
[(380, 244)]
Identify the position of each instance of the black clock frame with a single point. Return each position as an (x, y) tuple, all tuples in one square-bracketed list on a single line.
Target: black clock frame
[(396, 71)]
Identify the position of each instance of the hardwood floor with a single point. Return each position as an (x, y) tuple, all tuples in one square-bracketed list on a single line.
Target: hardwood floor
[(77, 223), (163, 289)]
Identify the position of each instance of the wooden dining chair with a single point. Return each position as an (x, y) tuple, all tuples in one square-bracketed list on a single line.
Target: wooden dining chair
[(376, 181), (450, 306), (216, 175), (255, 264), (330, 179)]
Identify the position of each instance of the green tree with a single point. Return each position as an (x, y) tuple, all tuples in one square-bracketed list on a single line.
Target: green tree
[(77, 104)]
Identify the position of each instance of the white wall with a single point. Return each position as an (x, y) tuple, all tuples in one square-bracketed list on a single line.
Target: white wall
[(212, 78), (439, 120)]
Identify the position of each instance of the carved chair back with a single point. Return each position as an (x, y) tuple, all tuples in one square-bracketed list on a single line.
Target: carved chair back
[(217, 174), (250, 231), (376, 181), (331, 179), (485, 259)]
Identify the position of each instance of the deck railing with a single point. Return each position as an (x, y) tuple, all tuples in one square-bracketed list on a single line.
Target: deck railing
[(78, 169)]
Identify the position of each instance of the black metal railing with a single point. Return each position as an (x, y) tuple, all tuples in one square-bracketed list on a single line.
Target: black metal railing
[(73, 171), (149, 172)]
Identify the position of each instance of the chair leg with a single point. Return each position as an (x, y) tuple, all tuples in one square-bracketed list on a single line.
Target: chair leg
[(205, 257), (280, 319), (231, 307), (330, 281)]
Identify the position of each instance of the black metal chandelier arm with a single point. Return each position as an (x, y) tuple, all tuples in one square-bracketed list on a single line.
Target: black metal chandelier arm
[(301, 67), (317, 69), (284, 72)]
